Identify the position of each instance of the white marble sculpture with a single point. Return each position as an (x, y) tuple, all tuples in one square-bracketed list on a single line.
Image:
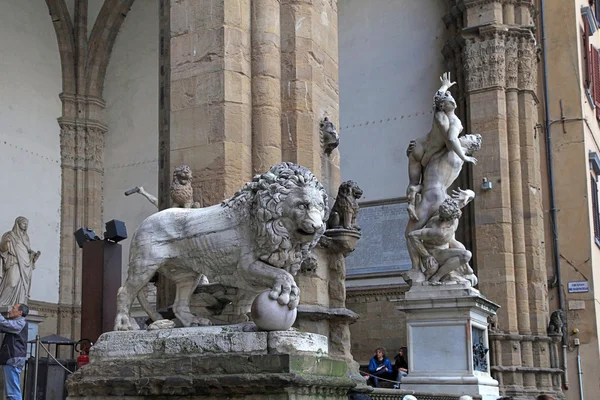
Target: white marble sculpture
[(254, 241), (17, 260), (435, 161)]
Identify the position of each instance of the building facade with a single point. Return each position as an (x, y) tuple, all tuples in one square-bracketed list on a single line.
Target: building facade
[(104, 95)]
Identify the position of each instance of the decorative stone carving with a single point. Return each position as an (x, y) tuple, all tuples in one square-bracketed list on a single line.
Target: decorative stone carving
[(493, 323), (67, 145), (480, 357), (435, 161), (557, 322), (254, 241), (512, 61), (182, 192), (95, 147), (80, 152), (484, 60), (527, 58), (345, 209), (329, 136), (17, 260)]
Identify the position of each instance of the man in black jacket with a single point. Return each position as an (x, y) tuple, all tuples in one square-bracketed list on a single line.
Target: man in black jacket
[(14, 349)]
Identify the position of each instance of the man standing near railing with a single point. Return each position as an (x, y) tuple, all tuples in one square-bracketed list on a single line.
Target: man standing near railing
[(13, 352)]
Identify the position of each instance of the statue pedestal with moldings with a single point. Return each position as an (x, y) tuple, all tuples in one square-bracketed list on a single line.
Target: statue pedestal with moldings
[(217, 362), (447, 329)]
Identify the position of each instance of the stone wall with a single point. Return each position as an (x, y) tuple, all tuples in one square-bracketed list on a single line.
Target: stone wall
[(380, 323), (573, 174), (29, 134), (390, 64), (131, 142)]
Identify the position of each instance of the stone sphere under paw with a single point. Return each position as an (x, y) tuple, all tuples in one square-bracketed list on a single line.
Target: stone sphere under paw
[(269, 315)]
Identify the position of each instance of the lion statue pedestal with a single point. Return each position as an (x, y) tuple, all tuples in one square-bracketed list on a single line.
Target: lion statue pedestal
[(256, 241), (211, 363)]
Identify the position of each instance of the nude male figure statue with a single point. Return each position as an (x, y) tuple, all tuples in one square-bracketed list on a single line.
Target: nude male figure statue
[(443, 136), (441, 171), (443, 257)]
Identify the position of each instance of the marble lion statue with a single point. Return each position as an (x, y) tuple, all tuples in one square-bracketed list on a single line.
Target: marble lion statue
[(182, 193), (254, 241)]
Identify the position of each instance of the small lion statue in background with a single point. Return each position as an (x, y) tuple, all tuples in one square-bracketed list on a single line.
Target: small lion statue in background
[(254, 241), (345, 209), (182, 193), (557, 323)]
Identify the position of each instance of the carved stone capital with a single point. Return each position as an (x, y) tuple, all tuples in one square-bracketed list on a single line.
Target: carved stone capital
[(81, 144), (67, 144), (484, 61), (95, 148), (512, 61), (528, 63)]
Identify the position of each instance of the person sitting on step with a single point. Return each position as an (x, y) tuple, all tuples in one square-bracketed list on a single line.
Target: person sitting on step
[(380, 367)]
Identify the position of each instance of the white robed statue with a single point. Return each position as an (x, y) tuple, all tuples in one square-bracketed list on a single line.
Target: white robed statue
[(18, 262)]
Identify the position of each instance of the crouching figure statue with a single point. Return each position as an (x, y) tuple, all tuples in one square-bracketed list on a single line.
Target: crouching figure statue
[(254, 241)]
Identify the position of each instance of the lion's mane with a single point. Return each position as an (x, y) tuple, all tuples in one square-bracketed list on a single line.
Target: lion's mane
[(261, 202)]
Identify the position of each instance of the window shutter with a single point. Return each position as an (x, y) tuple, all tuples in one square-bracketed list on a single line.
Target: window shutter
[(595, 210), (588, 56), (595, 56)]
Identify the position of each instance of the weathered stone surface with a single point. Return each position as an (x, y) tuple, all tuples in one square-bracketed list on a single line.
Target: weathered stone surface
[(242, 339), (211, 361), (199, 340), (290, 342)]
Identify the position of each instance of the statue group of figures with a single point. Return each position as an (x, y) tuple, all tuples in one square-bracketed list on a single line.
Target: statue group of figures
[(435, 161), (17, 262), (258, 239)]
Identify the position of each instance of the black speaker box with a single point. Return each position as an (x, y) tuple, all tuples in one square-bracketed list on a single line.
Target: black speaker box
[(115, 230)]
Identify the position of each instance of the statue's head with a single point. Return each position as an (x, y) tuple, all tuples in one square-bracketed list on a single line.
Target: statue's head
[(329, 135), (182, 173), (449, 210), (444, 101), (22, 223), (350, 188), (471, 142), (287, 207)]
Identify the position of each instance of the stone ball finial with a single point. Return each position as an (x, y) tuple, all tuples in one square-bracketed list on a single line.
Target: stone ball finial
[(269, 315)]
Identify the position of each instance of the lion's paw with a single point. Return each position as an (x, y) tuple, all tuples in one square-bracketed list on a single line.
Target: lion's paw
[(285, 291)]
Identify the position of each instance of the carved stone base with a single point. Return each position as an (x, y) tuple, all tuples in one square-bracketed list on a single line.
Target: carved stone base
[(211, 362), (448, 340)]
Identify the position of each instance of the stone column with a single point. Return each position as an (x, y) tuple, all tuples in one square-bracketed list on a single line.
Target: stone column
[(309, 84), (210, 95), (246, 86), (499, 64), (266, 85), (82, 162), (484, 64)]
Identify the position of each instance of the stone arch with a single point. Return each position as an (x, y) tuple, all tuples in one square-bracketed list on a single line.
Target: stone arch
[(102, 39), (64, 35)]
